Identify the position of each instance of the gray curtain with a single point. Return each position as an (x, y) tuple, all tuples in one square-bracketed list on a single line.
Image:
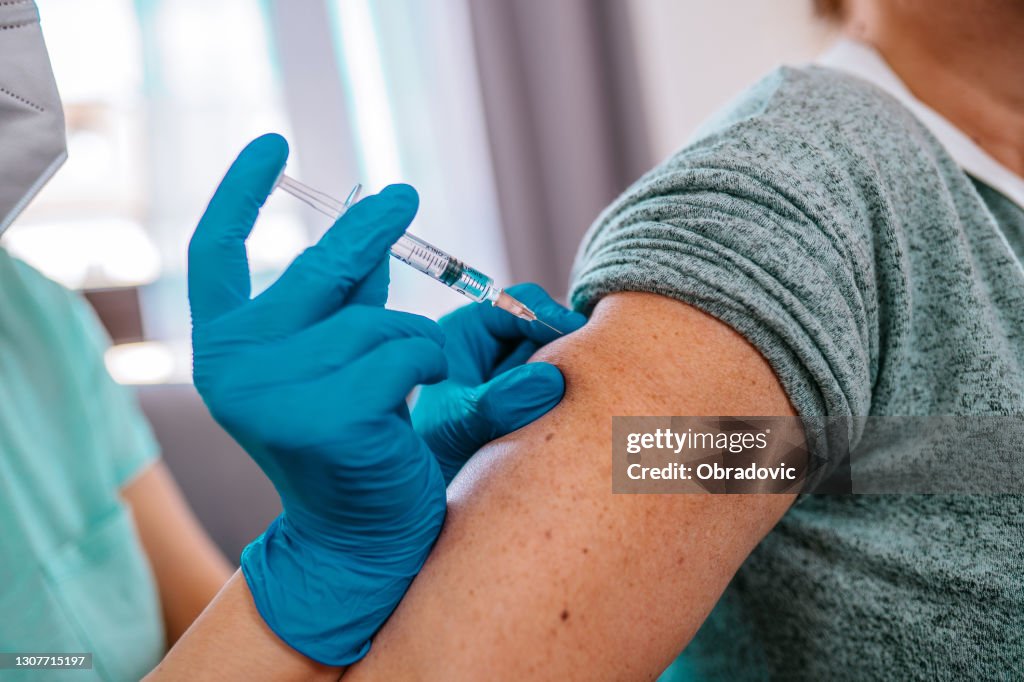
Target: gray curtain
[(565, 121)]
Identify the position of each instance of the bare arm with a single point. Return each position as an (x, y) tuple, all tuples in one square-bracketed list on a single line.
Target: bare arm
[(540, 570), (230, 641), (189, 569)]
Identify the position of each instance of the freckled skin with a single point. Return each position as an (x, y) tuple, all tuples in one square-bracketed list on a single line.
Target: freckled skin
[(515, 554)]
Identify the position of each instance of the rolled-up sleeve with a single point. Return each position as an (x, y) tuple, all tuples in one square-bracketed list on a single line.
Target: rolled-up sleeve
[(755, 228)]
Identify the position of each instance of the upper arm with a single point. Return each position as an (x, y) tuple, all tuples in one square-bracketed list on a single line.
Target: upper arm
[(540, 570)]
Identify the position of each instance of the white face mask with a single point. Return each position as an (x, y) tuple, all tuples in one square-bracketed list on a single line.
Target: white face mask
[(32, 141)]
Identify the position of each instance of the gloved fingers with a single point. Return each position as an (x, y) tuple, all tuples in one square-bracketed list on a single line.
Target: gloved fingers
[(218, 270), (322, 464), (472, 349), (399, 467), (519, 355), (322, 278), (386, 375), (516, 398), (459, 420), (373, 290), (341, 339), (508, 327), (486, 335)]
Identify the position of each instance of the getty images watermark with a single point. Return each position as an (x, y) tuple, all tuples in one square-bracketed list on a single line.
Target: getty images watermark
[(868, 455)]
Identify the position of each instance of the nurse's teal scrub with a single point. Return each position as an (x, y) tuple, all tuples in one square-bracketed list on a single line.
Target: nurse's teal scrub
[(73, 575)]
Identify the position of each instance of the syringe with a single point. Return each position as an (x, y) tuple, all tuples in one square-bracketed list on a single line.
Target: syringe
[(421, 255)]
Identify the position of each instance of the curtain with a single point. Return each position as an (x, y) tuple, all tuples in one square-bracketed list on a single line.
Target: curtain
[(565, 122)]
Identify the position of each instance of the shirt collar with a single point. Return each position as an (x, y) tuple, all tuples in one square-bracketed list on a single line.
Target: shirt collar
[(865, 62)]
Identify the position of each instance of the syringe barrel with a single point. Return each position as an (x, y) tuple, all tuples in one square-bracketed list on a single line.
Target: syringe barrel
[(409, 248), (446, 269)]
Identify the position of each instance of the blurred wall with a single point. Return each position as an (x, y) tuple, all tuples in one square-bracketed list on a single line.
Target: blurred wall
[(695, 55)]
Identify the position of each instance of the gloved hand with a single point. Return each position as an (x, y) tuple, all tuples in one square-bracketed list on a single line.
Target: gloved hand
[(311, 377), (489, 391)]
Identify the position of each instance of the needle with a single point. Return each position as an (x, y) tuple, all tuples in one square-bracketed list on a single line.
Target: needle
[(420, 255), (353, 195), (560, 333)]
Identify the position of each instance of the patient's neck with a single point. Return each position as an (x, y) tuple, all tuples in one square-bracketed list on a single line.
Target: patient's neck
[(963, 59)]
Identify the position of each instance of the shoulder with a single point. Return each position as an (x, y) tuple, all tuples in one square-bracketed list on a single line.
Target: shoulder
[(809, 132), (49, 320), (769, 221), (31, 291), (812, 148), (823, 107), (55, 344)]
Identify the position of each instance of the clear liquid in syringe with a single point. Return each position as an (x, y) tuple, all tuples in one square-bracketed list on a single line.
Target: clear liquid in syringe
[(421, 255)]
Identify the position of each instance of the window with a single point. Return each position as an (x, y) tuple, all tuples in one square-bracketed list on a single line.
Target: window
[(160, 95), (413, 88)]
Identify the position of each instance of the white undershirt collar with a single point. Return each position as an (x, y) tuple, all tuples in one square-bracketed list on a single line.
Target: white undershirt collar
[(865, 62)]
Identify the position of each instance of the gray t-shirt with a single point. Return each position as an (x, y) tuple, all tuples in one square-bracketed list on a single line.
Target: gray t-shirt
[(822, 221)]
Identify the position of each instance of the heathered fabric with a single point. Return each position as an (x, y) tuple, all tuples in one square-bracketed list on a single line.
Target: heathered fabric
[(819, 219)]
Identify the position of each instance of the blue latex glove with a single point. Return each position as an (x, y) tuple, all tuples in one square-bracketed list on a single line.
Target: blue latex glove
[(489, 391), (311, 377)]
